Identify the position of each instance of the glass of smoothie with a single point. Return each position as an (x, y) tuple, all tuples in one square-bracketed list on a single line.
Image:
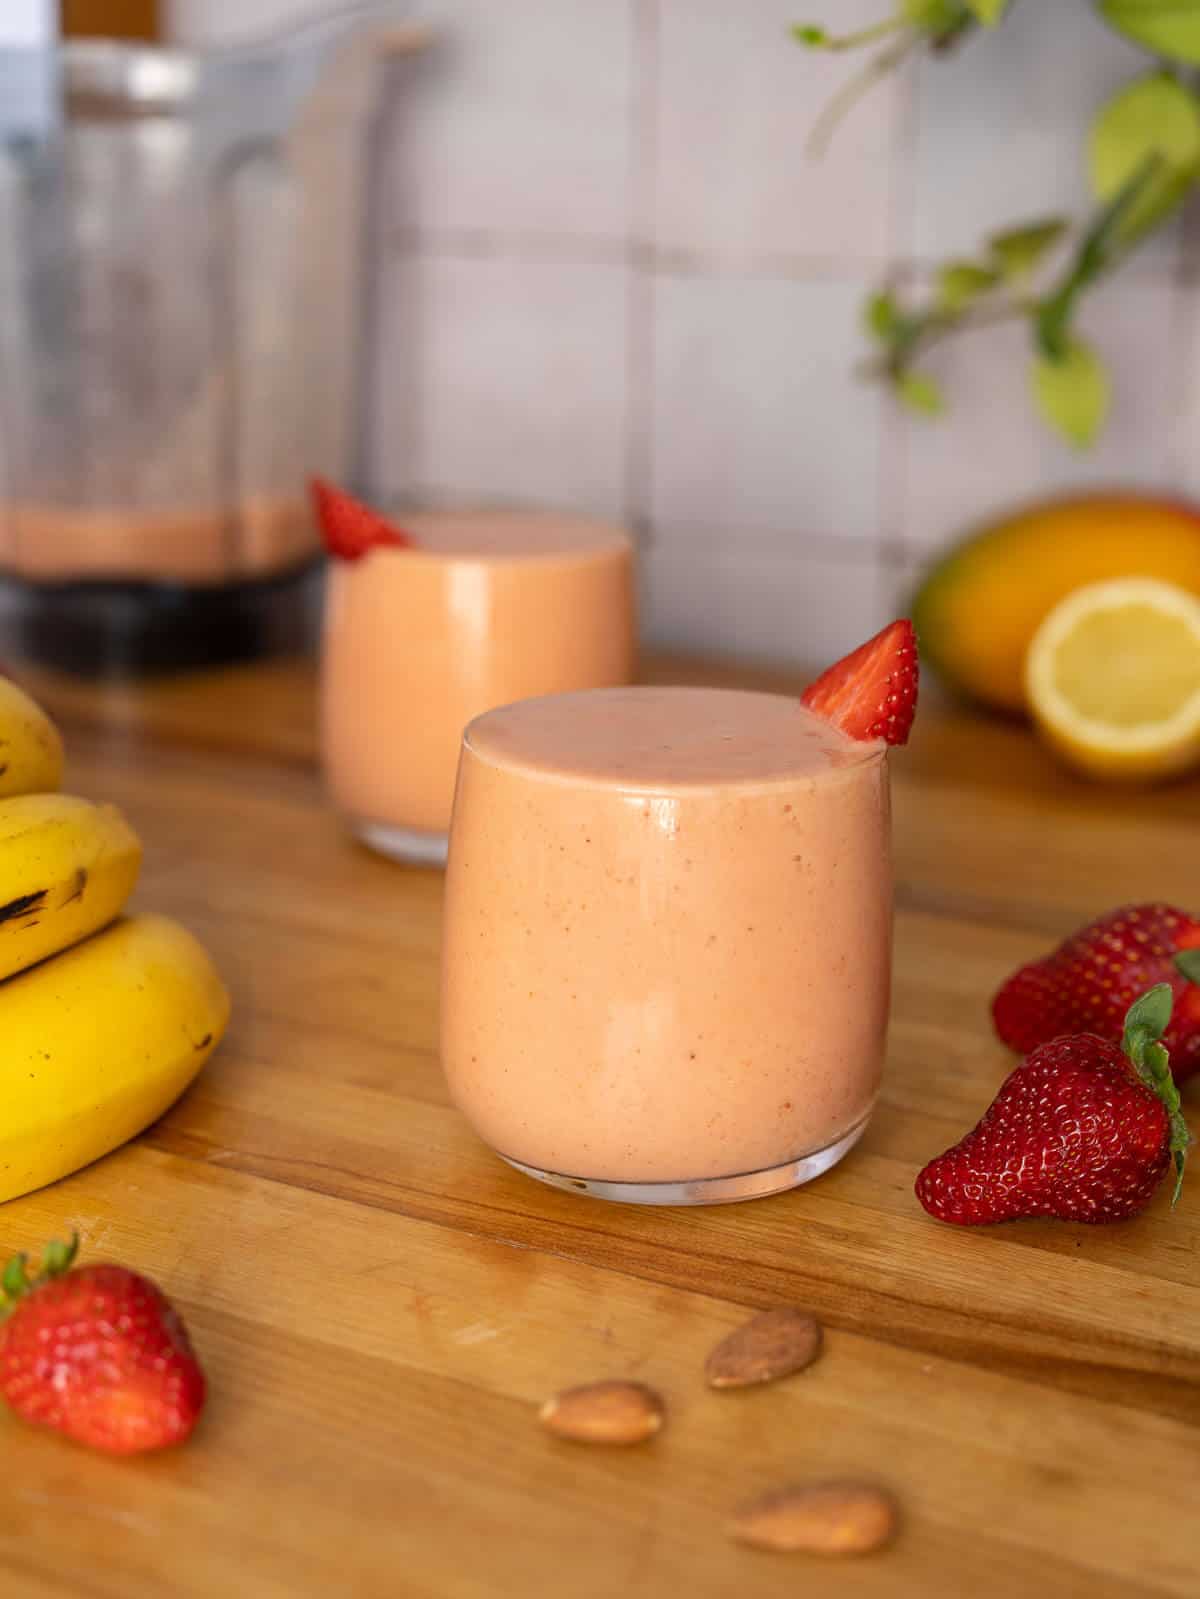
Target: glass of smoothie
[(667, 938), (429, 625)]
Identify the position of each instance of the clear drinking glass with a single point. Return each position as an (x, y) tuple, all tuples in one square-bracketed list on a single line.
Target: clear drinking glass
[(180, 299), (486, 607), (667, 941)]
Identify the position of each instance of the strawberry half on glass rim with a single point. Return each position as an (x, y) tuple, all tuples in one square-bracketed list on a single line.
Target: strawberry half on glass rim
[(351, 529), (872, 692)]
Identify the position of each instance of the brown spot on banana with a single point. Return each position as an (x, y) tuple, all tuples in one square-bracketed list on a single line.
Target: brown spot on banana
[(22, 906), (78, 885)]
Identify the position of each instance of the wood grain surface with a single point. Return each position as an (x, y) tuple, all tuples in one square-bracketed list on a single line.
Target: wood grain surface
[(382, 1305)]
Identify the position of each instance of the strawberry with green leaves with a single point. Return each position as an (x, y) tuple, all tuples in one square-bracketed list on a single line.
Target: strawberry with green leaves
[(96, 1353), (1088, 983), (1083, 1130)]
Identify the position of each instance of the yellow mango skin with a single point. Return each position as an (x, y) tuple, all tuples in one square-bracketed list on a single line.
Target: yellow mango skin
[(979, 607), (67, 868), (31, 749), (98, 1042)]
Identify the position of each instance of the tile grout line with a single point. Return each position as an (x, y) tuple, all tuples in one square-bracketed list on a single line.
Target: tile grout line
[(710, 544), (1185, 328), (893, 452), (641, 297), (665, 260)]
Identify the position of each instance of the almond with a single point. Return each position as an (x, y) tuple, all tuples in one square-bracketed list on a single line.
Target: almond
[(827, 1518), (771, 1345), (604, 1413)]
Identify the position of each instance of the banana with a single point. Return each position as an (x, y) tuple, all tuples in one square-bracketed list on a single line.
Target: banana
[(66, 869), (98, 1042), (31, 751)]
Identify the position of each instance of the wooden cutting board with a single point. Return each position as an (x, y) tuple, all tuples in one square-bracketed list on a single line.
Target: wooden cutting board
[(381, 1305)]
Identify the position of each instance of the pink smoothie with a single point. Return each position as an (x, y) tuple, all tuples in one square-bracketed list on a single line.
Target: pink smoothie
[(667, 941), (262, 537), (488, 607)]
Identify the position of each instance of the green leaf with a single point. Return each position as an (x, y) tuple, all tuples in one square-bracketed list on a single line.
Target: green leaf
[(1145, 1022), (14, 1280), (1156, 117), (1017, 251), (1072, 392), (1188, 962), (806, 33), (58, 1256), (1149, 1015), (934, 16), (960, 282), (1168, 28), (882, 317), (988, 12), (920, 393)]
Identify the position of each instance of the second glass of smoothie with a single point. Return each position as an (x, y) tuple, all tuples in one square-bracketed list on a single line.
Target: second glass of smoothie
[(484, 608), (667, 941)]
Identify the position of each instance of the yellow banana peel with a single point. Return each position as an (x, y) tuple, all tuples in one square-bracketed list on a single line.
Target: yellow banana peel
[(98, 1042), (67, 868)]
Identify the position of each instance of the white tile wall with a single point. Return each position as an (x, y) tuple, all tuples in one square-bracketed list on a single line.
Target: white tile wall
[(502, 378), (793, 606), (735, 103), (1135, 325), (27, 24), (522, 120), (1001, 124), (612, 278), (209, 22), (759, 432)]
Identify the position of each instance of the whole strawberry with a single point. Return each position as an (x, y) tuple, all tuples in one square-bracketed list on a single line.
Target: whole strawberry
[(1083, 1130), (1087, 983), (98, 1354)]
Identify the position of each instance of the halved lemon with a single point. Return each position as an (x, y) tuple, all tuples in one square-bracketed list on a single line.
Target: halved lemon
[(1113, 679)]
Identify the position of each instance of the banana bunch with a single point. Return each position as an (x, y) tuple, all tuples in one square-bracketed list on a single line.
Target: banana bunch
[(104, 1022)]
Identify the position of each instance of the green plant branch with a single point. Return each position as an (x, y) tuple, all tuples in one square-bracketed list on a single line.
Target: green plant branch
[(939, 24), (847, 97), (1143, 159), (805, 33), (1103, 247), (935, 327)]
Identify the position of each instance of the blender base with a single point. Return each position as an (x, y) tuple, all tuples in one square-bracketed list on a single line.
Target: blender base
[(97, 629)]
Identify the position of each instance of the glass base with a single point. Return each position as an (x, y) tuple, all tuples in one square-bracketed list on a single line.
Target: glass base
[(407, 844), (707, 1190)]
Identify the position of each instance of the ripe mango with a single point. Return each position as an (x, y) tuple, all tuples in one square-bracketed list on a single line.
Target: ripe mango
[(979, 606)]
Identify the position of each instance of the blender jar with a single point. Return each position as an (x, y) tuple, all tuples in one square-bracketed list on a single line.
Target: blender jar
[(180, 297)]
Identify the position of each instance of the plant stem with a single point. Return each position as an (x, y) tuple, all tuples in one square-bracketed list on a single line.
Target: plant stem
[(937, 328), (852, 92), (877, 30), (1101, 249)]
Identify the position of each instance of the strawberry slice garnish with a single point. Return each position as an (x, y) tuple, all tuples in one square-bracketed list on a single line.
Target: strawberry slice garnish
[(872, 692), (349, 528)]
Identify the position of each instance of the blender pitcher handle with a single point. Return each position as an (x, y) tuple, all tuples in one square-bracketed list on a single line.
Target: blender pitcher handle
[(287, 101), (338, 48)]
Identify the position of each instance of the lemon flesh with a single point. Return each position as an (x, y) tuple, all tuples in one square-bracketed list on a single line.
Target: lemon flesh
[(1113, 679)]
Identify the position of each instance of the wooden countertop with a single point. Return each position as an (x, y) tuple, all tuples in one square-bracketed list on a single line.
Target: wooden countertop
[(381, 1304)]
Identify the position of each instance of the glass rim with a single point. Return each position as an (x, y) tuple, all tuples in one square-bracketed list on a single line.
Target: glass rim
[(652, 788)]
